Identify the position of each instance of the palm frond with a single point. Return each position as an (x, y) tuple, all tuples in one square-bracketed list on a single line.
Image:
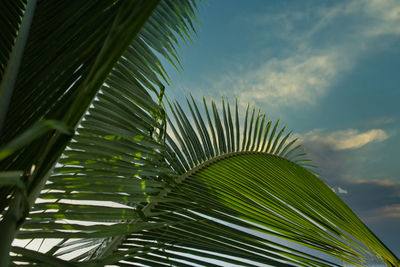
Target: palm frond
[(214, 192), (70, 50), (195, 140), (114, 164), (26, 255), (9, 75), (65, 61), (246, 204), (10, 18)]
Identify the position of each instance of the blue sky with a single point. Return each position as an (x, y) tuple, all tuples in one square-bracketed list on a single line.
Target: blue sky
[(330, 71)]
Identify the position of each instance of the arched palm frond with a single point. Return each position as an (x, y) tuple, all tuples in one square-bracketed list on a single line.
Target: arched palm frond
[(115, 155), (245, 201), (56, 56), (53, 79), (195, 139)]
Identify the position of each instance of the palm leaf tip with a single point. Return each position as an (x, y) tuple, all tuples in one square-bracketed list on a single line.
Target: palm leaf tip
[(201, 137), (260, 183), (255, 207)]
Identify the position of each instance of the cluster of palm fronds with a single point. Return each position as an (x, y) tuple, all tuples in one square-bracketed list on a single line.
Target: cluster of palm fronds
[(90, 173)]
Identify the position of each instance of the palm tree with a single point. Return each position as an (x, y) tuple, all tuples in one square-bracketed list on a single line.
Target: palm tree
[(88, 165)]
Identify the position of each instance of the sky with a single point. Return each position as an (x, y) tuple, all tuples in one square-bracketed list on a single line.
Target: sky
[(327, 69)]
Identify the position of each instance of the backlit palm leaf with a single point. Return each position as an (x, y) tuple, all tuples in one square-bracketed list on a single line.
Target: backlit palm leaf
[(61, 56), (214, 191), (238, 199), (116, 154), (249, 203)]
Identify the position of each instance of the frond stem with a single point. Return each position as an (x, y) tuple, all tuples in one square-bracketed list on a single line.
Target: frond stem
[(11, 72)]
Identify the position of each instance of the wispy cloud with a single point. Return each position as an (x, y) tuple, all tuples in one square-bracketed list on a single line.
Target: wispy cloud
[(390, 212), (366, 194), (298, 79), (346, 139), (306, 74), (385, 14), (375, 200)]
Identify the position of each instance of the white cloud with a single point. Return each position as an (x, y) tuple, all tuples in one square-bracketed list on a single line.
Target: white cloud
[(385, 15), (380, 17), (306, 74), (347, 139), (342, 191), (300, 79)]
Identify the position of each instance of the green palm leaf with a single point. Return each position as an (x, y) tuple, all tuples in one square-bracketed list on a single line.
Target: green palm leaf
[(53, 72), (116, 155), (245, 186), (52, 77), (203, 141), (10, 19), (211, 192), (240, 206)]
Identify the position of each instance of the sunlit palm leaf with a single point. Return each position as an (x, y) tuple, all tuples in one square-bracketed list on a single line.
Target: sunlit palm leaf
[(198, 140), (218, 190), (248, 206)]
